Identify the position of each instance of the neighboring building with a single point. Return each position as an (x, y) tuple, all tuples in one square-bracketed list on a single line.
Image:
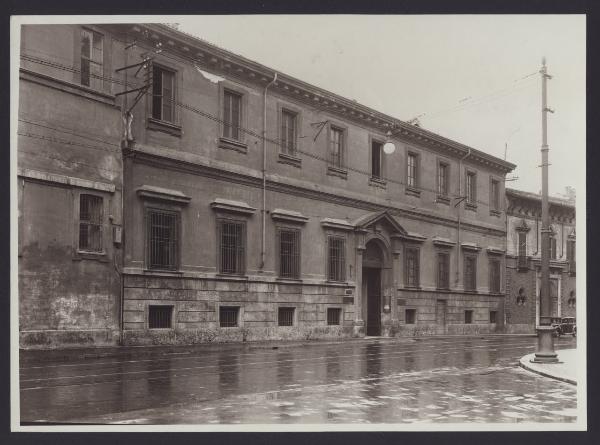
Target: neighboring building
[(257, 206), (524, 212), (69, 188)]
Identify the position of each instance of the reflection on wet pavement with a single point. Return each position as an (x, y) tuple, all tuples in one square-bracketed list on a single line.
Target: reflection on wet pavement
[(435, 380)]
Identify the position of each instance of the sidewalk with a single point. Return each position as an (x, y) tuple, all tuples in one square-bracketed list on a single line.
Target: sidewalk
[(566, 371)]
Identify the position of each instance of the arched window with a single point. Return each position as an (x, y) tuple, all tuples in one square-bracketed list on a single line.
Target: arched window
[(521, 297)]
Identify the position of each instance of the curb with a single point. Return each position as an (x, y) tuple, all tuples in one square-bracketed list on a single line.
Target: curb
[(523, 363)]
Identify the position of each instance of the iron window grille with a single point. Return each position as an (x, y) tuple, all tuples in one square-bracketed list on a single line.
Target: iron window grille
[(163, 239), (336, 147), (469, 317), (410, 316), (333, 316), (495, 276), (163, 94), (412, 267), (411, 165), (285, 316), (232, 115), (232, 238), (228, 316), (289, 253), (522, 252), (493, 316), (288, 132), (494, 195), (90, 223), (470, 273), (92, 51), (443, 270), (471, 188), (376, 158), (336, 258), (159, 317), (442, 179)]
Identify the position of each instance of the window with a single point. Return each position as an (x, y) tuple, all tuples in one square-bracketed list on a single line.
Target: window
[(471, 188), (571, 301), (228, 316), (470, 273), (333, 316), (336, 258), (522, 244), (336, 147), (468, 317), (285, 316), (91, 59), (90, 223), (232, 115), (163, 94), (571, 255), (410, 315), (493, 316), (552, 248), (412, 267), (494, 195), (232, 247), (443, 270), (412, 170), (159, 317), (163, 243), (288, 132), (495, 276), (442, 179), (376, 158), (521, 298), (289, 253)]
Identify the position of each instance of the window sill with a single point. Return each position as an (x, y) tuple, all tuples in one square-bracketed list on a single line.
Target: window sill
[(443, 199), (162, 272), (288, 280), (164, 126), (94, 256), (232, 144), (412, 191), (407, 287), (290, 160), (470, 206), (336, 171), (232, 276), (377, 182), (495, 213), (470, 291)]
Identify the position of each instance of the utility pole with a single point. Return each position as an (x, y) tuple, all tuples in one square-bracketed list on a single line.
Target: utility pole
[(545, 352)]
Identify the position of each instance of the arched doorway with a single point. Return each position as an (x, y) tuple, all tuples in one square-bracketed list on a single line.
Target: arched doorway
[(373, 261)]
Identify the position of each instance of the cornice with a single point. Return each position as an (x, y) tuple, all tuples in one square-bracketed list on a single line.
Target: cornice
[(224, 62)]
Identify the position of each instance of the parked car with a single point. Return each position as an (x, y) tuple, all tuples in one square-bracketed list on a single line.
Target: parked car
[(564, 325)]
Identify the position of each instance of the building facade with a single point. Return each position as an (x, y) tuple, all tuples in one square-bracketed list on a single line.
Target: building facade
[(523, 259), (257, 206)]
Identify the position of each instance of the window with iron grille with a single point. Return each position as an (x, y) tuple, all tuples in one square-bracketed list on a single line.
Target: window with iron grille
[(285, 316), (443, 270), (410, 316), (468, 317), (333, 316), (470, 272), (228, 316), (159, 317), (493, 316), (412, 267), (376, 159), (442, 179), (163, 239), (552, 248), (288, 132), (163, 94), (522, 244), (336, 258), (336, 147), (91, 59), (494, 195), (471, 188), (412, 162), (232, 115), (232, 251), (90, 223), (289, 253), (495, 276)]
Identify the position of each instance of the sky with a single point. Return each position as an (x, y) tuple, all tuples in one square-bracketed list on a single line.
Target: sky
[(473, 79)]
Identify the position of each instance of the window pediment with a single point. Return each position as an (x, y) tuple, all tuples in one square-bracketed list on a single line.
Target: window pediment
[(163, 194), (230, 206)]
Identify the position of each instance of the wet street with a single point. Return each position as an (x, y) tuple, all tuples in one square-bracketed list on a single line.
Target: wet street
[(359, 381)]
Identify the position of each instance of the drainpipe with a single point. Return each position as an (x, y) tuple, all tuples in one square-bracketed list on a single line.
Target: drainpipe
[(264, 174), (460, 195)]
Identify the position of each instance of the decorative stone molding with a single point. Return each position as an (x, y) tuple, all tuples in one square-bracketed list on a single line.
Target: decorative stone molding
[(229, 206), (66, 180), (289, 216), (163, 194), (442, 242), (414, 237), (491, 250), (338, 224), (473, 247)]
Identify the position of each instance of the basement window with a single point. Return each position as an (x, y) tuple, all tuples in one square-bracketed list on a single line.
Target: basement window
[(159, 317), (333, 316), (410, 316), (285, 317), (228, 316), (493, 317), (469, 317)]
